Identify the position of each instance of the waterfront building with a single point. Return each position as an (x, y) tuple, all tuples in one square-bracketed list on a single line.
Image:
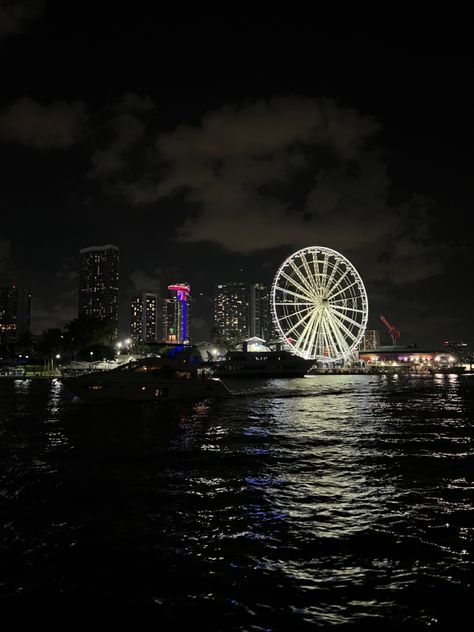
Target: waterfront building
[(370, 340), (259, 311), (143, 317), (15, 312), (410, 358), (231, 310), (99, 283), (176, 314)]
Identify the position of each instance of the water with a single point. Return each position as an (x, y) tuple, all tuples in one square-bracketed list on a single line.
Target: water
[(330, 501)]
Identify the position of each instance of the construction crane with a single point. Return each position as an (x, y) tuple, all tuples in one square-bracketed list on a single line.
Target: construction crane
[(394, 333)]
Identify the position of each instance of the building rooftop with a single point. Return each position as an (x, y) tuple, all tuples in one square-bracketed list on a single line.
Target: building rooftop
[(99, 248)]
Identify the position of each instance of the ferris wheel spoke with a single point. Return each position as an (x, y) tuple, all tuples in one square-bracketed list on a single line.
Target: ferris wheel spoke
[(302, 339), (344, 289), (336, 328), (295, 326), (332, 279), (306, 281), (338, 282), (314, 333), (348, 309), (304, 297), (315, 264), (325, 271), (298, 286), (341, 325), (347, 319), (298, 323), (330, 343), (297, 303), (314, 276), (348, 304), (291, 317), (322, 342), (339, 341), (316, 341)]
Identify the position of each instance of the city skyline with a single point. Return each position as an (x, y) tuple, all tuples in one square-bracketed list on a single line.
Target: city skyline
[(216, 168)]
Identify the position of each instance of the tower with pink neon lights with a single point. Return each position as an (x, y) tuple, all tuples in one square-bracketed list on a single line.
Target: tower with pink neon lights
[(176, 316)]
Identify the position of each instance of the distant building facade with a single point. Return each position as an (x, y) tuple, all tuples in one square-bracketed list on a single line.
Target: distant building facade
[(177, 314), (409, 357), (15, 312), (259, 311), (370, 340), (99, 283), (143, 317), (231, 310)]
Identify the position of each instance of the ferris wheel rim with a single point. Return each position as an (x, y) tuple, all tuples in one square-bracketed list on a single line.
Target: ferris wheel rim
[(325, 304)]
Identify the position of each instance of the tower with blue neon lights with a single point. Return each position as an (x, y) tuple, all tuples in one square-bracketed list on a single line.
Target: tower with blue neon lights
[(176, 314)]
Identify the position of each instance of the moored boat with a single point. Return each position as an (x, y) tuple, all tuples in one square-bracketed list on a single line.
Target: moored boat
[(149, 379), (262, 364)]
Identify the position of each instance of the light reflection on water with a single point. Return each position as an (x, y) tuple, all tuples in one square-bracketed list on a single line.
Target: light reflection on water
[(324, 500)]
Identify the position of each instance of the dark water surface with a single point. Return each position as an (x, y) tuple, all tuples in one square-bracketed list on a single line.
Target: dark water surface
[(326, 501)]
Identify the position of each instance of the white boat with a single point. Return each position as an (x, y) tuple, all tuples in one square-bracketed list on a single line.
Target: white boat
[(262, 364), (12, 371), (150, 379)]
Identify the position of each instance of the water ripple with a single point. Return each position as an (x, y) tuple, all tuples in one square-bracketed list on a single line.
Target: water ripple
[(323, 501)]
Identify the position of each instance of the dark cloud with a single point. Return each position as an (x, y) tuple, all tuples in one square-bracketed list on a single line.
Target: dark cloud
[(56, 125), (15, 15), (237, 164), (53, 313), (137, 103), (4, 251), (264, 127), (126, 130), (144, 282), (156, 280), (67, 273), (60, 305)]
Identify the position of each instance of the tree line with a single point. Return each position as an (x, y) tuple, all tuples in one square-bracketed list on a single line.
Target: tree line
[(82, 338)]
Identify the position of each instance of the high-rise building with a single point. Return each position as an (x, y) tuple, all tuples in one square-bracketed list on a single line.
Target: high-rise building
[(143, 317), (370, 340), (259, 311), (8, 313), (176, 314), (15, 312), (23, 311), (99, 283), (231, 310)]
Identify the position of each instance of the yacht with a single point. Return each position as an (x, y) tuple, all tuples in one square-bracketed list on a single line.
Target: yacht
[(168, 377), (12, 371), (262, 364)]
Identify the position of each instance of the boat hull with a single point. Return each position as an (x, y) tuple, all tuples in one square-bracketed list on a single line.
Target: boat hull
[(242, 373), (93, 388)]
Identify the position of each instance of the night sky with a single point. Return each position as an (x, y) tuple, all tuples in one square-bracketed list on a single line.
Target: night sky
[(209, 158)]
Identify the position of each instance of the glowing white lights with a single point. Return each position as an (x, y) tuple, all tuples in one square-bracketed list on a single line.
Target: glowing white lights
[(319, 304)]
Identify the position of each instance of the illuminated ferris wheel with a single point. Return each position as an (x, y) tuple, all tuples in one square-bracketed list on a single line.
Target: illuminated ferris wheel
[(319, 304)]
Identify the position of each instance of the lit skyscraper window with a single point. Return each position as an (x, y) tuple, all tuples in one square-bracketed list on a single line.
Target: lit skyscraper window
[(231, 310), (99, 283), (143, 317)]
